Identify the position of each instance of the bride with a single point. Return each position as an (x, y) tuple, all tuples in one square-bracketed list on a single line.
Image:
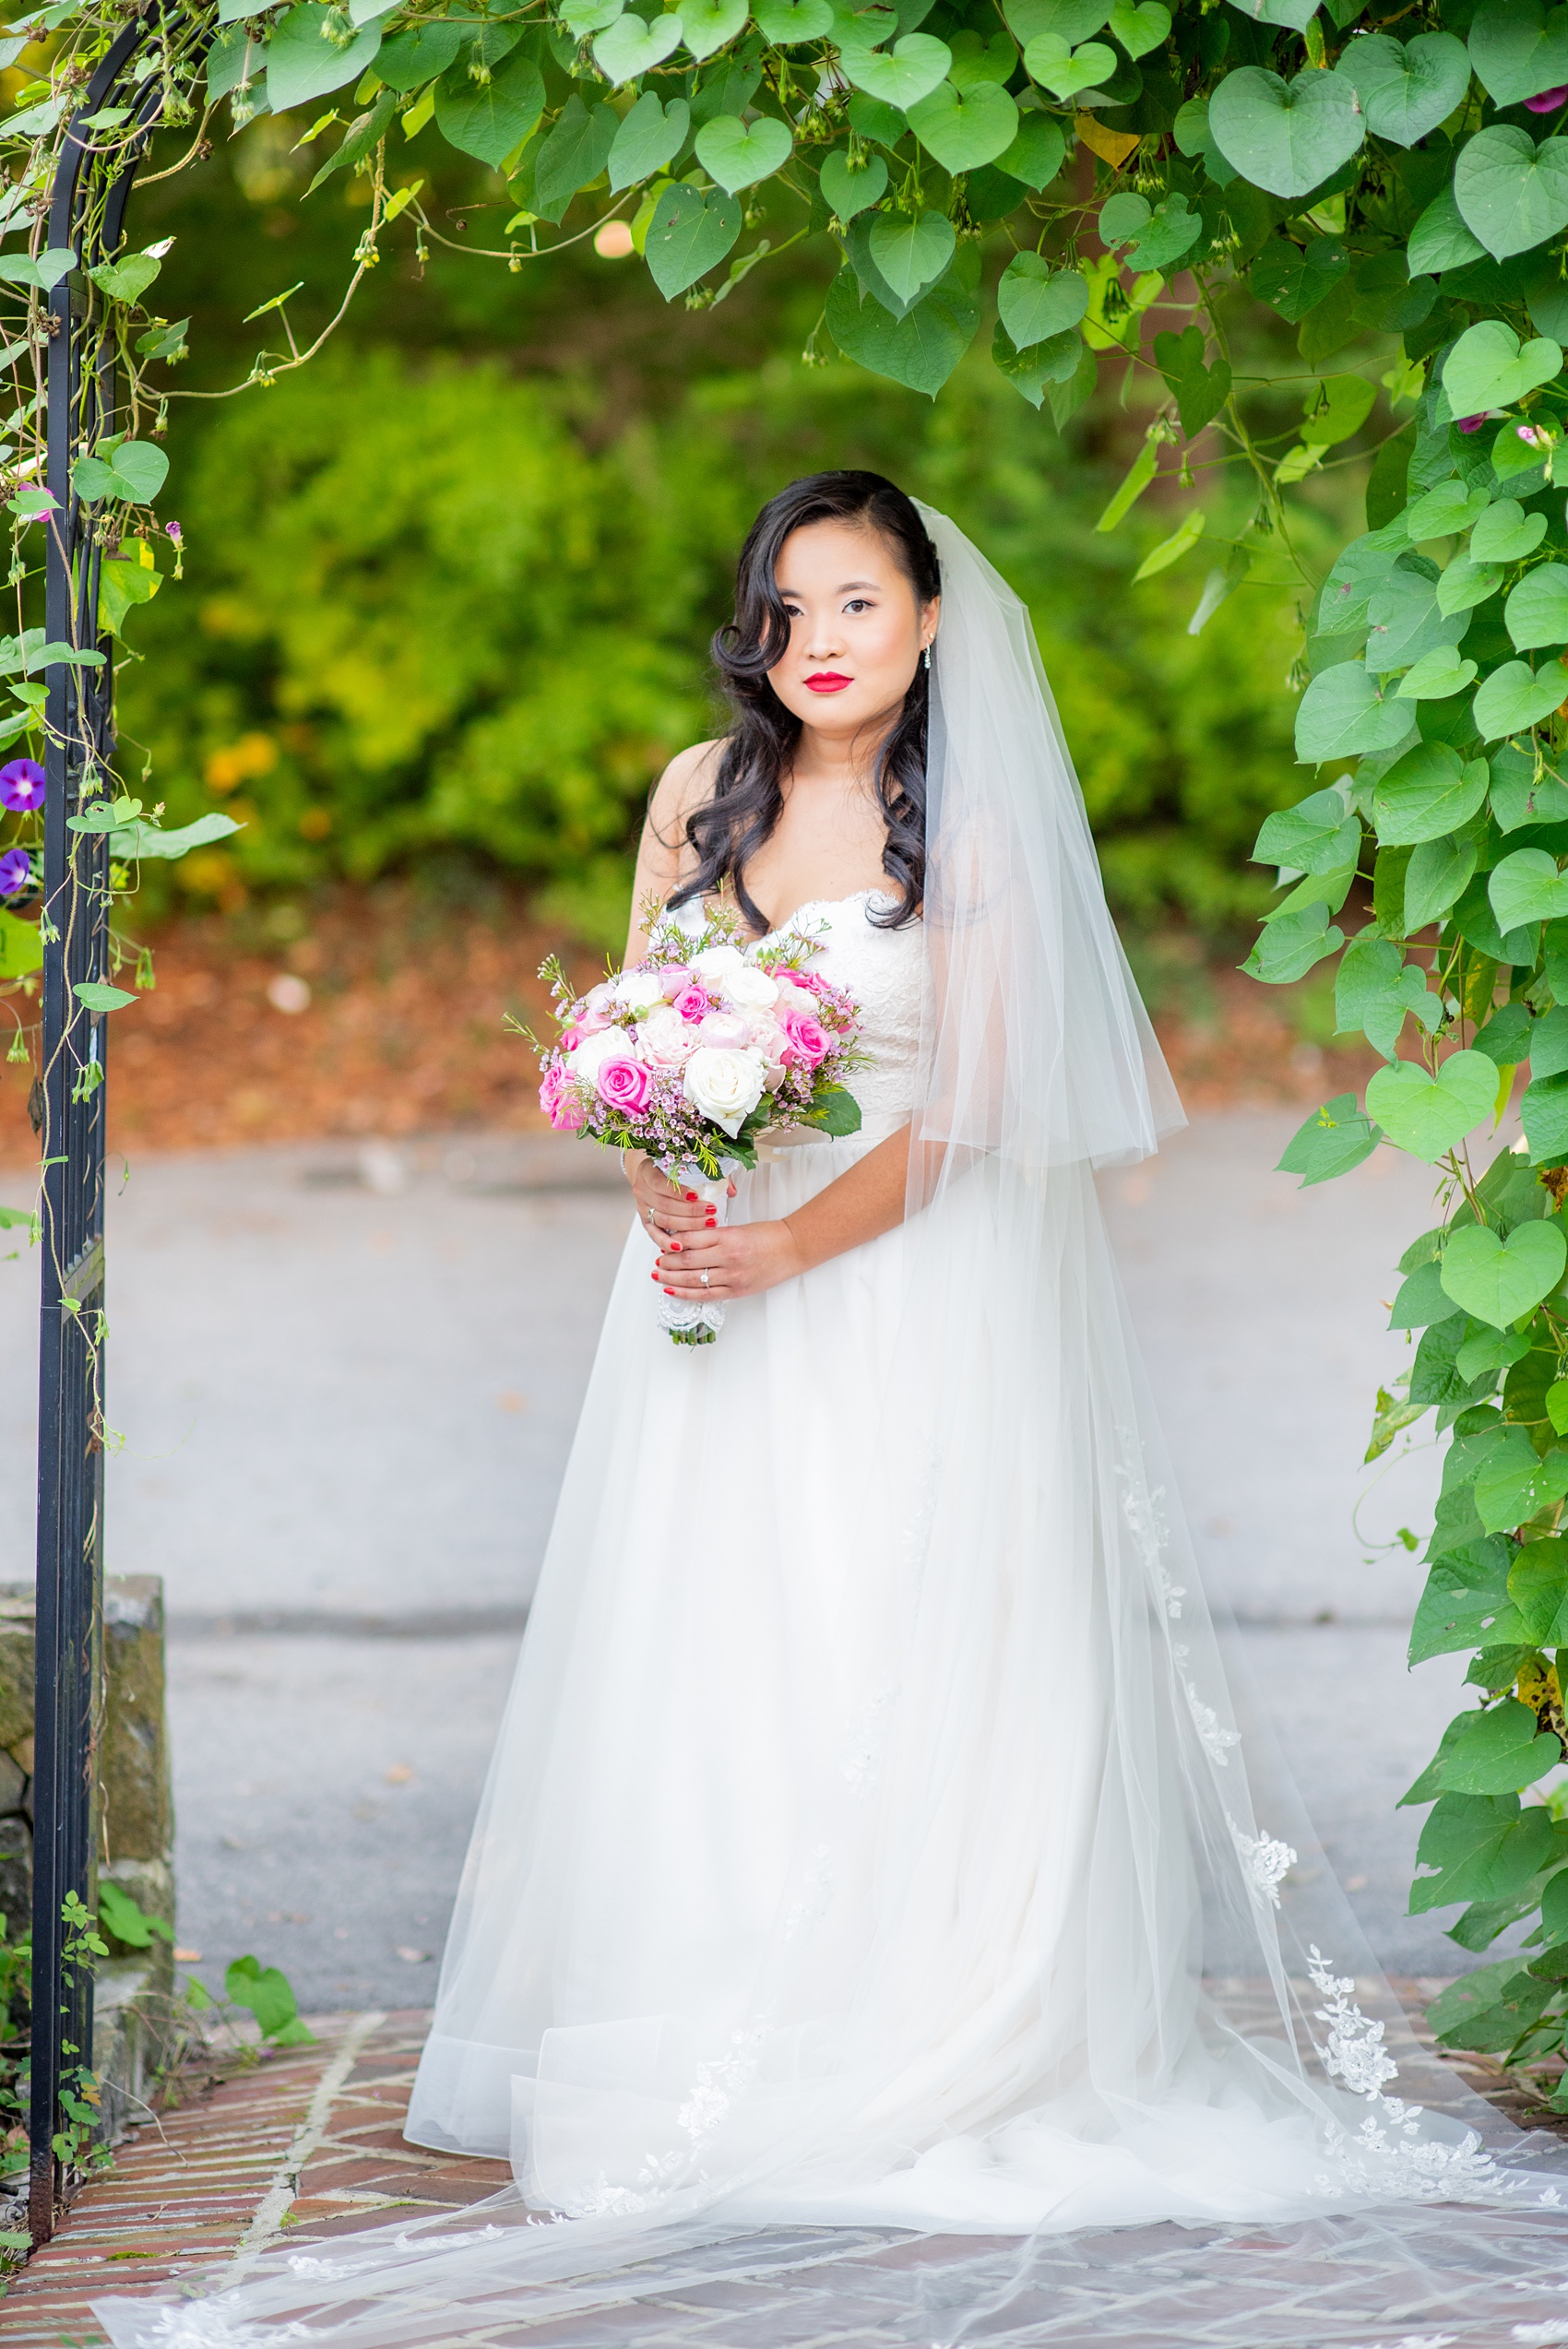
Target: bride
[(867, 1899)]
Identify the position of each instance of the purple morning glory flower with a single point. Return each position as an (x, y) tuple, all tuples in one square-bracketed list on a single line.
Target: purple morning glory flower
[(21, 785), (1547, 103), (1467, 424), (16, 872)]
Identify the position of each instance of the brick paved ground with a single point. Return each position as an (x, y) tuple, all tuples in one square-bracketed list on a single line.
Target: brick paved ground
[(308, 2142)]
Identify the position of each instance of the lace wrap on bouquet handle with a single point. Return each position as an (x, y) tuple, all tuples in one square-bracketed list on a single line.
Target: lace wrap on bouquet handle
[(697, 1323)]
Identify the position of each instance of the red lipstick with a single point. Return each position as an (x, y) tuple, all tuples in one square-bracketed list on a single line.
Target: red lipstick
[(828, 681)]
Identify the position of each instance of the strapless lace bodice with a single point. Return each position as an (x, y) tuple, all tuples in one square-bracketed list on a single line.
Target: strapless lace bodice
[(881, 971)]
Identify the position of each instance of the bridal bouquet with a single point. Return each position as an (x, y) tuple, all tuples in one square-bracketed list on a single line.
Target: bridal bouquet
[(697, 1053)]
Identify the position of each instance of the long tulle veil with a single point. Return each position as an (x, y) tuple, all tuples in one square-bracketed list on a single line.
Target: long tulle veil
[(1185, 2105)]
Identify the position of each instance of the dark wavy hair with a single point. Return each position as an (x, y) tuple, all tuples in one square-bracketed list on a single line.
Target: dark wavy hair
[(748, 798)]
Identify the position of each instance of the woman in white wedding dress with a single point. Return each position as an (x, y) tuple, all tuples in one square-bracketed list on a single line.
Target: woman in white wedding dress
[(866, 1903)]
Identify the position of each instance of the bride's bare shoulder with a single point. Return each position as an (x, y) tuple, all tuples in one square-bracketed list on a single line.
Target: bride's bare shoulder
[(685, 784)]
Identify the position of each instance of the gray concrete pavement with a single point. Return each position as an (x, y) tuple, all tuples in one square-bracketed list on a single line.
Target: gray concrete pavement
[(347, 1380)]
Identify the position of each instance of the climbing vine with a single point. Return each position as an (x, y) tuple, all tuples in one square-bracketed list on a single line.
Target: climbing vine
[(1101, 182)]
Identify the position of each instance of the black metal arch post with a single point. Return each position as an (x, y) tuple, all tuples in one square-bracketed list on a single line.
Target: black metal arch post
[(88, 203)]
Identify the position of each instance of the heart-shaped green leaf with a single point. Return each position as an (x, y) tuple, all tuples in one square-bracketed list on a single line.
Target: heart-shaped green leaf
[(911, 254), (1291, 942), (920, 350), (706, 25), (1444, 512), (1498, 1280), (1487, 368), (1072, 20), (1375, 989), (1537, 612), (1035, 301), (1122, 216), (573, 156), (1466, 584), (128, 280), (1036, 154), (785, 22), (975, 61), (966, 128), (1407, 87), (1437, 676), (1054, 360), (1174, 228), (1505, 533), (902, 76), (1428, 792), (847, 191), (1332, 1140), (1516, 51), (1140, 29), (1526, 888), (581, 19), (1511, 194), (632, 47), (1065, 71), (1343, 714), (303, 64), (688, 235), (1285, 136), (1405, 621), (132, 470), (409, 59), (489, 119), (1337, 410), (650, 136), (1515, 697), (1436, 877), (737, 156), (1537, 1580), (1427, 1115), (1315, 836), (1440, 238), (1543, 1113)]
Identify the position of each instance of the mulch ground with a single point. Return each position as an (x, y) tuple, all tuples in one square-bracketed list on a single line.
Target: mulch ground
[(307, 2142), (375, 1013)]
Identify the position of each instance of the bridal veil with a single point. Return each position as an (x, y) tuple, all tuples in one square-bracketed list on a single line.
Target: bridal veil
[(1062, 2032)]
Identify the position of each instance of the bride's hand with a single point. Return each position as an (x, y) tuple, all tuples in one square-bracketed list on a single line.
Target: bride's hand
[(739, 1260), (668, 1211)]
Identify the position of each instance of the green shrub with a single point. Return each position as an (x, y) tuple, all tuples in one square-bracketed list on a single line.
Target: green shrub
[(449, 609)]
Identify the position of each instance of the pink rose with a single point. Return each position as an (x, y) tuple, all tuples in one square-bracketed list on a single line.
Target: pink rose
[(674, 979), (558, 1098), (625, 1084), (809, 979), (808, 1039), (692, 1004), (725, 1032)]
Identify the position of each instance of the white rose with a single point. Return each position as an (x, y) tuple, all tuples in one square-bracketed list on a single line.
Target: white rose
[(665, 1039), (714, 964), (724, 1086), (794, 999), (748, 988), (605, 1044), (640, 990)]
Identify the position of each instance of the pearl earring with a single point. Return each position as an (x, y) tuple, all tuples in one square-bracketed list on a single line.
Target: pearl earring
[(928, 656)]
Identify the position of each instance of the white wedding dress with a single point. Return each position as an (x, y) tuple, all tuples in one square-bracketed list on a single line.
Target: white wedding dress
[(867, 1900)]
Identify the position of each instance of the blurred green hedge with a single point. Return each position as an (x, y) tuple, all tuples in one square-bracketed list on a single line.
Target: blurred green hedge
[(440, 612)]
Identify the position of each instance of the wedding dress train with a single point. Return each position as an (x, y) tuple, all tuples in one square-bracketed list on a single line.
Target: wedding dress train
[(867, 1903)]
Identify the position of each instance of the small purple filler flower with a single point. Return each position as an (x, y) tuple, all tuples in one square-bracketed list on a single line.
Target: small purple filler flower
[(1547, 103), (174, 531), (21, 785), (16, 872), (1467, 424)]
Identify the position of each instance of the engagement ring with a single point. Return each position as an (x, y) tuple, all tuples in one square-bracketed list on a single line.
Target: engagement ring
[(704, 1280)]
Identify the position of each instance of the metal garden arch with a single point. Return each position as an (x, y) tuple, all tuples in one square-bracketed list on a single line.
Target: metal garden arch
[(87, 211)]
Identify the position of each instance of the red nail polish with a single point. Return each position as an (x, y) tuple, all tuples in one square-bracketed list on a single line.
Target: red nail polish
[(669, 1292), (691, 1194)]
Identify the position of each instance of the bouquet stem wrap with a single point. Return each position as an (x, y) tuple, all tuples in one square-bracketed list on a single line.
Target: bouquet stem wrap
[(690, 1324)]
